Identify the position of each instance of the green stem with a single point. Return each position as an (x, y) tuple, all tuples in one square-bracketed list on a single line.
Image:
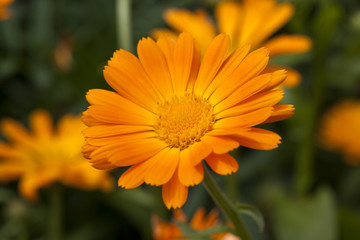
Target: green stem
[(224, 203), (123, 26), (55, 221)]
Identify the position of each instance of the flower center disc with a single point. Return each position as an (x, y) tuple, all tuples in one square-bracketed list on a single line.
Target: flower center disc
[(183, 120)]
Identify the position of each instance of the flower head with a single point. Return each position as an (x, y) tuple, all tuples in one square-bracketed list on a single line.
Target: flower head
[(340, 130), (247, 22), (200, 221), (44, 155), (169, 112), (4, 12)]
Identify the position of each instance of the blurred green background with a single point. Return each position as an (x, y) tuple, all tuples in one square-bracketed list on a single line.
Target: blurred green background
[(52, 52)]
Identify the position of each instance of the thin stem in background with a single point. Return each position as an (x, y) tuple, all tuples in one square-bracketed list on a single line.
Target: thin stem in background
[(123, 26), (224, 203), (55, 213)]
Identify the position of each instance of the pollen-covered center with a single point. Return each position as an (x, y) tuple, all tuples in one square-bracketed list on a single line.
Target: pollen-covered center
[(183, 120)]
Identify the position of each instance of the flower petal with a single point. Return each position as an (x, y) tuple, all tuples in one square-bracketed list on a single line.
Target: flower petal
[(198, 152), (258, 138), (223, 164), (183, 58), (162, 166), (211, 62), (248, 89), (260, 100), (220, 144), (133, 152), (119, 111), (133, 177), (250, 67), (281, 112), (154, 64), (228, 15), (189, 174), (41, 123), (111, 130), (245, 120), (126, 75), (286, 44), (198, 25), (174, 193)]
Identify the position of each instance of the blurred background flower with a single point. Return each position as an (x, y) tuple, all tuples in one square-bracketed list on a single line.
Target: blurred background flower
[(247, 22), (46, 155), (4, 11)]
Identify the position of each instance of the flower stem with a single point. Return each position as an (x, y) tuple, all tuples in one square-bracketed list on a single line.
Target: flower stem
[(123, 26), (55, 221), (224, 203)]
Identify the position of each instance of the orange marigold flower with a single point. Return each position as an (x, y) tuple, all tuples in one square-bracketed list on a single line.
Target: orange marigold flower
[(4, 12), (44, 155), (200, 221), (169, 112), (340, 130), (247, 22)]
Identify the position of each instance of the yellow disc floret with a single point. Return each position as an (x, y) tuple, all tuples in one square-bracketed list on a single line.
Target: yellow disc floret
[(183, 120)]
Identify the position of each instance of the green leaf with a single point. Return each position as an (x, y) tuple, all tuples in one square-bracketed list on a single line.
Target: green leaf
[(252, 212), (306, 218), (349, 223)]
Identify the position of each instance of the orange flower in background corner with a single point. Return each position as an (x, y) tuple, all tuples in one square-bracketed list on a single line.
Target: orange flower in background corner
[(247, 22), (200, 221), (170, 111), (44, 155), (340, 130), (4, 12)]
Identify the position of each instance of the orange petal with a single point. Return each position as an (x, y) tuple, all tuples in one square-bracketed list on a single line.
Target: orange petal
[(154, 64), (244, 121), (211, 62), (198, 219), (189, 174), (133, 152), (31, 182), (124, 112), (293, 78), (220, 144), (258, 138), (250, 88), (120, 139), (126, 75), (183, 58), (228, 67), (7, 151), (162, 166), (265, 15), (198, 151), (228, 15), (286, 44), (15, 131), (111, 130), (160, 32), (174, 193), (167, 46), (281, 112), (198, 25), (41, 123), (223, 164), (10, 171), (260, 100), (134, 176), (250, 67), (89, 120)]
